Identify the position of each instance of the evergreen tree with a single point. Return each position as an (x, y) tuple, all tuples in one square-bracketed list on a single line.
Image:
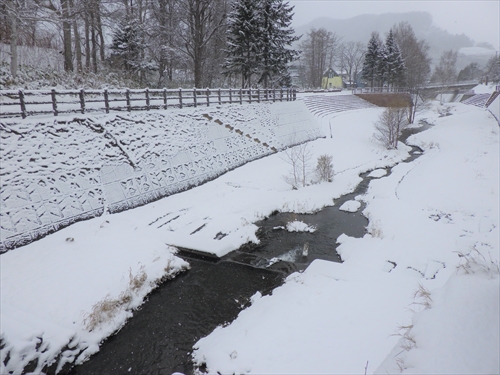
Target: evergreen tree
[(126, 47), (259, 37), (392, 61), (372, 59), (277, 36), (243, 41)]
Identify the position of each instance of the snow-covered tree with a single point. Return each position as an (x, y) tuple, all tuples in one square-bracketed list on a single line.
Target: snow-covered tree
[(243, 42), (276, 39), (372, 61), (259, 40), (127, 45), (392, 62)]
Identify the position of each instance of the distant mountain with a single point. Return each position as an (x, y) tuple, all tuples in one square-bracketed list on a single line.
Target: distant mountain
[(359, 28)]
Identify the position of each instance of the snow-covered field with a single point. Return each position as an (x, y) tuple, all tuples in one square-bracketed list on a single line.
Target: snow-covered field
[(332, 318)]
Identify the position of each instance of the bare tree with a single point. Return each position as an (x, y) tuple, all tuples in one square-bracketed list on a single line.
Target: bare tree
[(390, 125), (352, 55), (415, 54), (200, 21), (320, 49), (446, 71), (299, 158)]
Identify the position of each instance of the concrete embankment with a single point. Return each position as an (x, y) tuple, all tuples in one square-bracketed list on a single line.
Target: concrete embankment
[(59, 171)]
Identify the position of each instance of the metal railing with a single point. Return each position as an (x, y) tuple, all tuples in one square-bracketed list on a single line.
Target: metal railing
[(54, 102)]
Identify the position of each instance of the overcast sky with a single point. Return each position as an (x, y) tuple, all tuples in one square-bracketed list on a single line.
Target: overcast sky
[(478, 19)]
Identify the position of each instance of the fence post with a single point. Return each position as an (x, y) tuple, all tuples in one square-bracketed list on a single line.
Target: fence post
[(194, 97), (281, 94), (241, 96), (180, 98), (106, 100), (274, 95), (165, 98), (127, 96), (250, 95), (258, 95), (54, 102), (147, 99), (82, 100), (294, 92), (267, 94), (208, 97), (230, 96), (22, 103), (220, 101)]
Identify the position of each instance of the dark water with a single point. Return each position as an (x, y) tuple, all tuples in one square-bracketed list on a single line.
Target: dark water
[(160, 336)]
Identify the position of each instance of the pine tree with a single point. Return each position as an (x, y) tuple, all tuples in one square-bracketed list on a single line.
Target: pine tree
[(259, 37), (372, 59), (277, 36), (392, 61), (126, 50), (243, 41)]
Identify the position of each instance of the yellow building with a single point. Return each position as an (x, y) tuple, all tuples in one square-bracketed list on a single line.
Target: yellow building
[(331, 80)]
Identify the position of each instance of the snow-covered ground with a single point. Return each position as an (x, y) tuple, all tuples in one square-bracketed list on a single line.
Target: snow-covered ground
[(332, 318), (418, 294)]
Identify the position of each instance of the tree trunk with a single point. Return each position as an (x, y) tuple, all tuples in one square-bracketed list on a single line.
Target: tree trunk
[(78, 46), (99, 31), (87, 41), (68, 55), (13, 46), (94, 42)]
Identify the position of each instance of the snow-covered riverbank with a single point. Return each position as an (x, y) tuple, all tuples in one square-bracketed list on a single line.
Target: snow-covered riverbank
[(432, 248)]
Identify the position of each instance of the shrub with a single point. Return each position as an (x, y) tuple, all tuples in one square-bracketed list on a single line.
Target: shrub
[(324, 168), (390, 125)]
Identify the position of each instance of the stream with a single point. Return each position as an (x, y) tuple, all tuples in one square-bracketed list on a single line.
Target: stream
[(160, 336)]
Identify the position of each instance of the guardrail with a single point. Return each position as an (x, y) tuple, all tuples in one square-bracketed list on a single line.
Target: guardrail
[(38, 102)]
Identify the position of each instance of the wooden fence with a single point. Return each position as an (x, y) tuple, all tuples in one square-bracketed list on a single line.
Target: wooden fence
[(38, 102)]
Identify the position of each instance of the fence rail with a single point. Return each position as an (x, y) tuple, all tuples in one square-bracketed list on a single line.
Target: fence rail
[(35, 102)]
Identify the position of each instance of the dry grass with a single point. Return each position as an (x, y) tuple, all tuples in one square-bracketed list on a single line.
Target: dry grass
[(388, 99), (475, 261), (422, 297), (108, 308)]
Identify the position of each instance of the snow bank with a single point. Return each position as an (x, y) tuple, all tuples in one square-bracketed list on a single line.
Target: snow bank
[(457, 331), (342, 318), (57, 172), (299, 226), (50, 290), (350, 206)]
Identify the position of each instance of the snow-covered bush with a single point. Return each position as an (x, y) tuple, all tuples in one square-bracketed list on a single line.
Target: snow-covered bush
[(35, 78)]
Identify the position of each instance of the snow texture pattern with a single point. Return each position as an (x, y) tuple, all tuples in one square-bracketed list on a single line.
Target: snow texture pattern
[(58, 172)]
